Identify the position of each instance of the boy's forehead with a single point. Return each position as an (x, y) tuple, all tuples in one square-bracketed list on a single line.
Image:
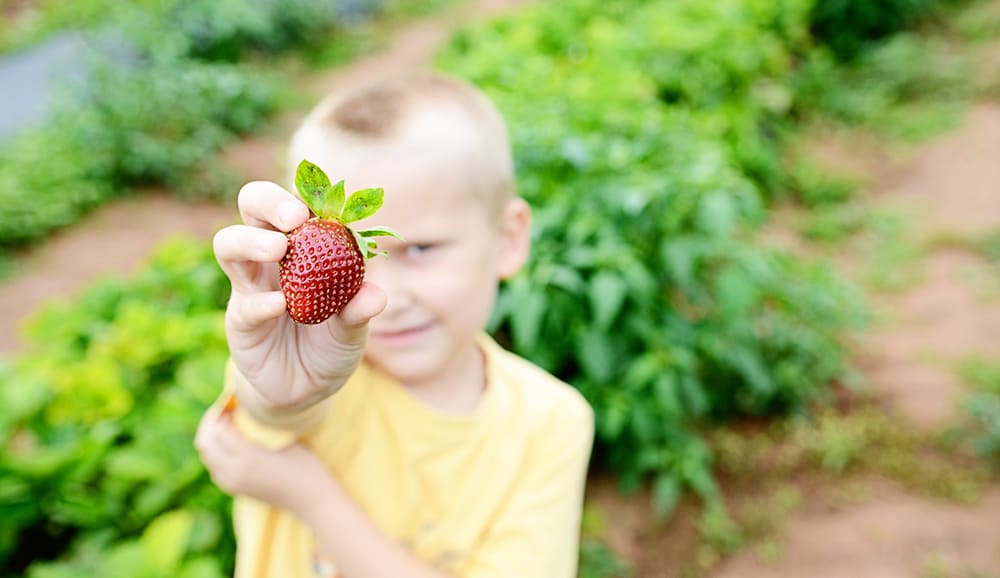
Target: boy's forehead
[(421, 156)]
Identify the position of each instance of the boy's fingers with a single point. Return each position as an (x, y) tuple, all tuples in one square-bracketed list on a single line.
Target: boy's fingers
[(241, 250), (248, 311), (217, 437), (246, 243), (369, 302), (266, 205)]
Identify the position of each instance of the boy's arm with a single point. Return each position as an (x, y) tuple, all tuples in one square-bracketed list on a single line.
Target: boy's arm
[(346, 534), (295, 479)]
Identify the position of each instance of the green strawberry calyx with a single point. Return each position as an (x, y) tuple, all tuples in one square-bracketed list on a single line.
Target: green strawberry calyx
[(329, 202)]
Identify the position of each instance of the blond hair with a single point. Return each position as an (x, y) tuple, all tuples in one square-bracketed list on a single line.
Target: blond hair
[(414, 108)]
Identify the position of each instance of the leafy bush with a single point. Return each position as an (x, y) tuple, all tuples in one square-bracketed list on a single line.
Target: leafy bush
[(159, 116), (148, 126), (848, 26), (908, 86), (97, 467), (225, 29), (639, 133)]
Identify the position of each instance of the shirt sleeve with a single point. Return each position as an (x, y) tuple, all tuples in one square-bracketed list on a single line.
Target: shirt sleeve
[(538, 532)]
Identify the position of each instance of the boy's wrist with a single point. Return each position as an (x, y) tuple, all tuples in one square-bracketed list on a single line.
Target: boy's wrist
[(299, 417)]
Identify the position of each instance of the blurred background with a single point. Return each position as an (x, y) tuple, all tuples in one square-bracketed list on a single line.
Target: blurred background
[(767, 251)]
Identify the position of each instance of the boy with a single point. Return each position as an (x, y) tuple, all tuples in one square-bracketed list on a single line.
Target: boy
[(396, 439)]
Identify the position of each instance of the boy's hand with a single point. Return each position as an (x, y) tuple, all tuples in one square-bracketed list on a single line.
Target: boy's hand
[(290, 366), (239, 466)]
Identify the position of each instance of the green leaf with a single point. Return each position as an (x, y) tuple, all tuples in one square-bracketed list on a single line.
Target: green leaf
[(361, 204), (380, 232), (666, 493), (334, 201), (607, 295), (201, 567), (717, 215), (315, 189), (165, 540), (736, 292), (644, 425), (596, 355), (526, 316), (135, 464), (750, 365), (665, 390), (368, 247)]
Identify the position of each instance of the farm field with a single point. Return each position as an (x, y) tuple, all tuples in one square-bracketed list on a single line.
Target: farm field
[(858, 438)]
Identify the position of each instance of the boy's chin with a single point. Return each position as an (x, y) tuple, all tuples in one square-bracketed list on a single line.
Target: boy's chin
[(417, 366), (409, 374)]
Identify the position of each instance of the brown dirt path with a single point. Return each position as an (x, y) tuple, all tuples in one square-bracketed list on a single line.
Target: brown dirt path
[(949, 191), (115, 238), (893, 535)]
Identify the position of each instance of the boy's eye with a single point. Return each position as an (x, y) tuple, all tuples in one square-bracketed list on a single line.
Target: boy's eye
[(416, 249)]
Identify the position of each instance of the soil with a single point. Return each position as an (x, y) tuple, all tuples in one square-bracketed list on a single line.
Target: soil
[(949, 188), (892, 535)]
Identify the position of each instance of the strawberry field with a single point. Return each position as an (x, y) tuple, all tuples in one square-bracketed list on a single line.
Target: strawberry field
[(710, 277)]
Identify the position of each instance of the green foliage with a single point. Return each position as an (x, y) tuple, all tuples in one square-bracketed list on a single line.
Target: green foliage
[(220, 30), (158, 118), (849, 26), (148, 126), (641, 139), (598, 561), (98, 416), (907, 87), (989, 246), (982, 425)]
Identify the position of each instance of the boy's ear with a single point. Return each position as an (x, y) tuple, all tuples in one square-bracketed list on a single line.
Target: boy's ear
[(515, 237)]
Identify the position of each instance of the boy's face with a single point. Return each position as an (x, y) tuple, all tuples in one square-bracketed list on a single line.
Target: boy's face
[(441, 283)]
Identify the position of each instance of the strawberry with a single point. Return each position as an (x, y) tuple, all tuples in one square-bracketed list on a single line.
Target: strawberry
[(324, 265)]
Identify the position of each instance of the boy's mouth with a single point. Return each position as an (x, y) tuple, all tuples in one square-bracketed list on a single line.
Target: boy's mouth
[(400, 336)]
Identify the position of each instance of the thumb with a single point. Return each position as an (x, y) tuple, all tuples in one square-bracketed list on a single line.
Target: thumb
[(369, 302)]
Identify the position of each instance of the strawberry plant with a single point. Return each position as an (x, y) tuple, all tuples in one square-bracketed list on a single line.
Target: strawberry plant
[(97, 466), (648, 149)]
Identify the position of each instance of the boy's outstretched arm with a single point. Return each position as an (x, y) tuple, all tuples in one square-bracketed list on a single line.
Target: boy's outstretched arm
[(282, 369), (295, 480)]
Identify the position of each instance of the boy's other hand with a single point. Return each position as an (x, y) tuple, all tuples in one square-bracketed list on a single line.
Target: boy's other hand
[(291, 366), (239, 466)]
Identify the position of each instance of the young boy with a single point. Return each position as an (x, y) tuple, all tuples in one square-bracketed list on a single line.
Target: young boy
[(396, 439)]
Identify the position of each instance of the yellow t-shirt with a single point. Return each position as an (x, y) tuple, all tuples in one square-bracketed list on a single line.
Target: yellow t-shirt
[(494, 494)]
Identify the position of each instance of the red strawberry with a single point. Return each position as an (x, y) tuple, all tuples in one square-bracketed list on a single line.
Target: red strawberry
[(324, 265)]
